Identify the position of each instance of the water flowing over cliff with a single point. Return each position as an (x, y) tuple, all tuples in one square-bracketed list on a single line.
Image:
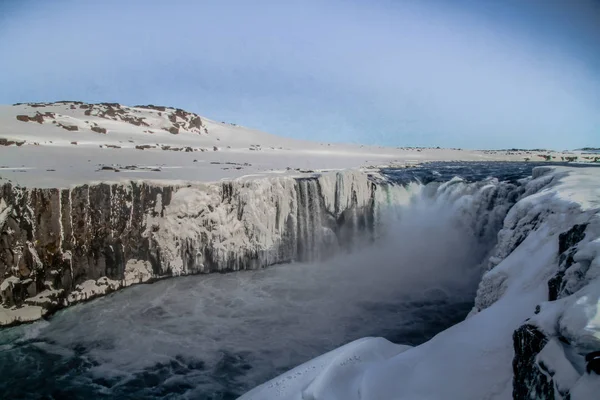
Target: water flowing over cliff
[(61, 246)]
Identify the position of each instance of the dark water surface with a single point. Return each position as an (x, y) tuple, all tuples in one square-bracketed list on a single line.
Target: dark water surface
[(202, 337), (471, 171)]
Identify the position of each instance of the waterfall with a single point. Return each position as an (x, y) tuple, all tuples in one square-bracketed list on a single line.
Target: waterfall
[(86, 243), (87, 238), (311, 229)]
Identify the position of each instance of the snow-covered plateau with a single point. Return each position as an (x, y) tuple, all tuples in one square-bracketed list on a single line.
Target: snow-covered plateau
[(65, 143), (98, 197)]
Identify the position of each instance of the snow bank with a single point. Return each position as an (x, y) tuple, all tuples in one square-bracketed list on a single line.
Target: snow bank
[(338, 368)]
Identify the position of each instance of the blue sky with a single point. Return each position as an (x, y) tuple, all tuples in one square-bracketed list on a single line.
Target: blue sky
[(465, 73)]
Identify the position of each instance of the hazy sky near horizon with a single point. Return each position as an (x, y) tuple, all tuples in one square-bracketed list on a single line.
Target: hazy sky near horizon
[(464, 73)]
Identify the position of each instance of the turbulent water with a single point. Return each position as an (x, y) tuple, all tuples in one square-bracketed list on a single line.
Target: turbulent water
[(470, 171), (217, 336)]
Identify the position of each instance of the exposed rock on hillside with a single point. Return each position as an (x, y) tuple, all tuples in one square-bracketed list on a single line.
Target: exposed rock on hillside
[(178, 119)]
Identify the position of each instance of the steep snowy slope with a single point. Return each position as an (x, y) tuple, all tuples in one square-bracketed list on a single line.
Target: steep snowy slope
[(534, 331), (65, 143)]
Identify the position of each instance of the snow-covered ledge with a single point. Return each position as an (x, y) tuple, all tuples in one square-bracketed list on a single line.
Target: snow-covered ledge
[(62, 246), (533, 331)]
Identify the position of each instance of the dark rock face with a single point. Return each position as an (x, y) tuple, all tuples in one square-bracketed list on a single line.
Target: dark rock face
[(528, 381), (115, 112), (61, 246), (593, 362), (196, 122), (568, 239), (145, 146), (69, 127), (8, 142), (532, 378), (183, 120), (567, 242), (98, 129), (152, 107), (38, 117)]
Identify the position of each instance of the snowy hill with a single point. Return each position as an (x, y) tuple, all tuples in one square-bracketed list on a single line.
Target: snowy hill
[(120, 124), (66, 143)]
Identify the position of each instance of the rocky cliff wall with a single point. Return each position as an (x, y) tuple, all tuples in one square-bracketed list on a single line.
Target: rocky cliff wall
[(62, 246), (557, 349)]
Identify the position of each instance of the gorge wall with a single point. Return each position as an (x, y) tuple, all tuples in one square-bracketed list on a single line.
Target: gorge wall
[(556, 349), (62, 246)]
